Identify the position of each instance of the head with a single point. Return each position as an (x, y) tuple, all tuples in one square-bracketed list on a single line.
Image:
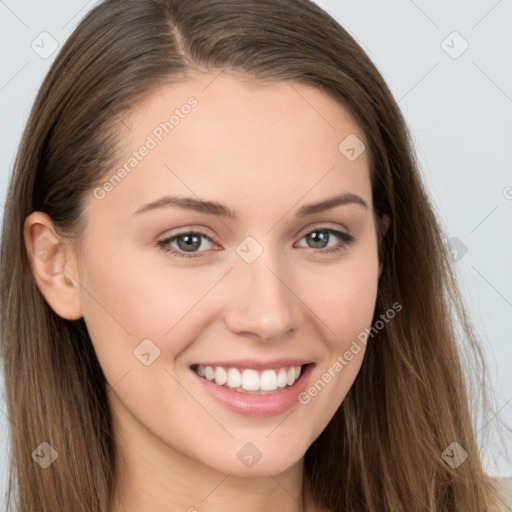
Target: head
[(268, 285), (254, 127)]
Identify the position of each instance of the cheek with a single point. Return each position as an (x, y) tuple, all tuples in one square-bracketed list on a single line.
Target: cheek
[(127, 301), (344, 303), (343, 297), (138, 288)]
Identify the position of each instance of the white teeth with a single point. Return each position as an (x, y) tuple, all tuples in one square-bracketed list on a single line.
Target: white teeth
[(209, 373), (221, 377), (291, 376), (281, 378), (268, 380), (249, 379), (234, 378)]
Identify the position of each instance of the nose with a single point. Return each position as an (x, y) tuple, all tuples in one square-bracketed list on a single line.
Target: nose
[(262, 301)]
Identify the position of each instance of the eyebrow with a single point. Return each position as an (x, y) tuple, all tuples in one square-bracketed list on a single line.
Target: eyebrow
[(220, 210)]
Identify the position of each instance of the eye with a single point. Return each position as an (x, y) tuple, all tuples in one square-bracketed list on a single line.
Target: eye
[(321, 236), (188, 242)]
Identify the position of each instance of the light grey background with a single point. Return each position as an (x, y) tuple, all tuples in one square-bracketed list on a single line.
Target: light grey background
[(457, 103)]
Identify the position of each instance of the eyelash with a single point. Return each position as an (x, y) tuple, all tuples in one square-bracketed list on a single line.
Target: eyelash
[(345, 237)]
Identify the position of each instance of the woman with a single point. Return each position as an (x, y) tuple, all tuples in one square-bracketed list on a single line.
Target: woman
[(238, 292)]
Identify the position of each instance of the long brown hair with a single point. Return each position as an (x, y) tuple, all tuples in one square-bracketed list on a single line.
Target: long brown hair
[(383, 449)]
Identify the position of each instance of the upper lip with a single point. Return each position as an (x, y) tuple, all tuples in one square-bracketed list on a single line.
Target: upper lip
[(257, 365)]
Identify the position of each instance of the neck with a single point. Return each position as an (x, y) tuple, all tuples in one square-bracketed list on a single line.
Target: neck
[(154, 477), (151, 486)]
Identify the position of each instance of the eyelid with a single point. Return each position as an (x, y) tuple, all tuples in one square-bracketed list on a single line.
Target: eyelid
[(345, 239), (206, 232), (188, 229), (321, 225)]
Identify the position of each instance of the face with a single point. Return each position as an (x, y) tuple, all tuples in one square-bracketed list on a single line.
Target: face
[(166, 287)]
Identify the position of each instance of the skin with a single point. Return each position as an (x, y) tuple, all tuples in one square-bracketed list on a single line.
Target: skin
[(264, 150)]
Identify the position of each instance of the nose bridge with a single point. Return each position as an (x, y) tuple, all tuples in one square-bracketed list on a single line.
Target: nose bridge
[(262, 303)]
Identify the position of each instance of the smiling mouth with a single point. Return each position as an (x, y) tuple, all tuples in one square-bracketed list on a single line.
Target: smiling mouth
[(250, 381)]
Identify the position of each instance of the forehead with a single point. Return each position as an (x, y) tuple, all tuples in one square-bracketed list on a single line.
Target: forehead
[(217, 135)]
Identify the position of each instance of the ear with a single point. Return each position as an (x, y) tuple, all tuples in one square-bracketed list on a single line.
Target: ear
[(385, 221), (54, 266)]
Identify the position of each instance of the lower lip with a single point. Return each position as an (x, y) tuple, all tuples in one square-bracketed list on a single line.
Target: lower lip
[(271, 404)]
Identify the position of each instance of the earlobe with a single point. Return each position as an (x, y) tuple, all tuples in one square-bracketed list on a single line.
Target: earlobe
[(53, 265)]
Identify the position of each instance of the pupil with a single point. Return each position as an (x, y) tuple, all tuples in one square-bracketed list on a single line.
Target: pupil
[(191, 242), (319, 236)]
